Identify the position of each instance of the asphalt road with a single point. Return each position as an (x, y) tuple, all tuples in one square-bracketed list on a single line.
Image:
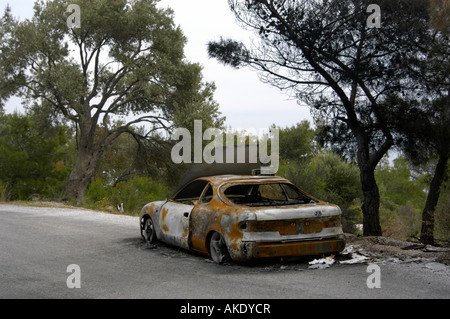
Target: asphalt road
[(37, 245)]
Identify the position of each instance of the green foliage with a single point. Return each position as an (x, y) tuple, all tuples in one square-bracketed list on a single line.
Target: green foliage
[(402, 199), (32, 160), (138, 191), (397, 186), (297, 142), (96, 191), (351, 217), (132, 194), (3, 191), (328, 177)]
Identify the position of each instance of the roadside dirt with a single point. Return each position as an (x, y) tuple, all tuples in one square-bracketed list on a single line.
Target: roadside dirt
[(402, 250)]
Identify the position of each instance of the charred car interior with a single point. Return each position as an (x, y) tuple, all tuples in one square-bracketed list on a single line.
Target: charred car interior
[(256, 195)]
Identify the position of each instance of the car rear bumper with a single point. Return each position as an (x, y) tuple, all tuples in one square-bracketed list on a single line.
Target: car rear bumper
[(305, 248)]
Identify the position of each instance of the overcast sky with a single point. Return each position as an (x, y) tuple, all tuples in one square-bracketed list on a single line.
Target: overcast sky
[(244, 100)]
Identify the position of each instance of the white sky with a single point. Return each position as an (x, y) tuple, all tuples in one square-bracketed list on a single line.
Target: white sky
[(243, 98)]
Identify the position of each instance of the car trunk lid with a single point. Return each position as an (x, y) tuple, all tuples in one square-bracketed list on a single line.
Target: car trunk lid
[(296, 212)]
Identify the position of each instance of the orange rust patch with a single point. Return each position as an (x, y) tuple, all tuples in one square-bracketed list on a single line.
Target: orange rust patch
[(198, 244), (164, 214), (235, 234), (150, 209)]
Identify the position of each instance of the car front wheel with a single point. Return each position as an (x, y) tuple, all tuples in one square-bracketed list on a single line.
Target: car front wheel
[(148, 232)]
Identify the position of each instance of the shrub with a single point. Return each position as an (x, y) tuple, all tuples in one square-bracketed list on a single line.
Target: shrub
[(3, 191), (132, 194), (96, 191), (137, 192)]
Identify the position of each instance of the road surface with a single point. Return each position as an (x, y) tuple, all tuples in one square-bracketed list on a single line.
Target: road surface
[(48, 252)]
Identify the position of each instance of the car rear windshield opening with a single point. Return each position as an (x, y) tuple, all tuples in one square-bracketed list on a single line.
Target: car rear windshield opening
[(266, 195)]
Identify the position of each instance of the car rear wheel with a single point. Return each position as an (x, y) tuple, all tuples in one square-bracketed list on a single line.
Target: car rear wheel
[(148, 231), (218, 249)]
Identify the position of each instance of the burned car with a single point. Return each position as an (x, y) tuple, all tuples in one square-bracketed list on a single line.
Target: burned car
[(244, 217)]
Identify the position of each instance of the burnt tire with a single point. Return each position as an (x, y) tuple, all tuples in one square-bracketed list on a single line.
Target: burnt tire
[(218, 249), (148, 231)]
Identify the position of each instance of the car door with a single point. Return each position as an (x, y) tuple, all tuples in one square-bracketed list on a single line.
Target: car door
[(175, 214), (201, 217)]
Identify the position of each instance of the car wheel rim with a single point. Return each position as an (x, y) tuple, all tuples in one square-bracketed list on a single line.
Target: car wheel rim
[(217, 248), (148, 231)]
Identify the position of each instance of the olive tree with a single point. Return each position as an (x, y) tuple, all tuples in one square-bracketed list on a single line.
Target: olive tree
[(105, 66)]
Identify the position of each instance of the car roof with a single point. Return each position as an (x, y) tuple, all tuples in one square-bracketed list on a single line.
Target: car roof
[(218, 180)]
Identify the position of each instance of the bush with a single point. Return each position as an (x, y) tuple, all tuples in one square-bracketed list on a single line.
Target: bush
[(3, 191), (402, 223), (328, 177), (402, 199), (351, 216), (132, 194), (33, 159), (137, 192), (96, 191)]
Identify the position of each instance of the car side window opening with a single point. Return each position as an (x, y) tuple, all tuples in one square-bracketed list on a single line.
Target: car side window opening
[(273, 194), (208, 195), (191, 193)]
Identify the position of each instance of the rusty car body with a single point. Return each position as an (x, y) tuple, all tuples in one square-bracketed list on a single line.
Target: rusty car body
[(244, 217)]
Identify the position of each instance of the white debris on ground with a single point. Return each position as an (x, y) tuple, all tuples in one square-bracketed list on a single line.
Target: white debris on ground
[(353, 256), (322, 263), (356, 259), (358, 256)]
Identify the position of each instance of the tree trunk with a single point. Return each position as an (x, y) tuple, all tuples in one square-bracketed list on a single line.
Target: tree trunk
[(427, 231), (87, 159), (371, 204), (367, 163)]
